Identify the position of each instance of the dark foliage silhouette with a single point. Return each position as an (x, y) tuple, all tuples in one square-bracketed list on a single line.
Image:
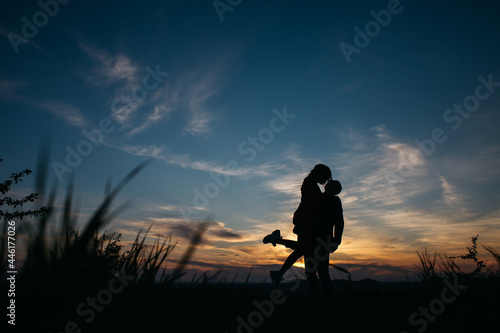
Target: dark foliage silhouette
[(5, 187)]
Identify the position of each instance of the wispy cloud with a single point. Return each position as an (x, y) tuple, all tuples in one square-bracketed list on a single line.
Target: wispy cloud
[(180, 230), (195, 86), (187, 162), (110, 69), (198, 94), (10, 89), (68, 113), (371, 169), (450, 194), (126, 77), (158, 113), (351, 138), (29, 41), (189, 91), (406, 215)]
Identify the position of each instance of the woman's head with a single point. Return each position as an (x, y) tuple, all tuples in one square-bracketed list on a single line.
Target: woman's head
[(321, 173), (333, 187)]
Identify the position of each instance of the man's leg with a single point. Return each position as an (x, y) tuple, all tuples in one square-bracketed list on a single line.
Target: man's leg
[(312, 279), (324, 275), (311, 264)]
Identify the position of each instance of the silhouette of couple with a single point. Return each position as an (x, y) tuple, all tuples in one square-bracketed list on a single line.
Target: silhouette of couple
[(319, 224)]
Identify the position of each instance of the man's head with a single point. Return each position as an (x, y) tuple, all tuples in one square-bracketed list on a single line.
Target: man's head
[(333, 187)]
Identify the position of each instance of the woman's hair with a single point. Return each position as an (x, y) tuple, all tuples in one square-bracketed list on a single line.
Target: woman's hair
[(321, 171), (334, 187)]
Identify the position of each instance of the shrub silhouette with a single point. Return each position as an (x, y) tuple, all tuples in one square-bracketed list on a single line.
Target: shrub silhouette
[(8, 201)]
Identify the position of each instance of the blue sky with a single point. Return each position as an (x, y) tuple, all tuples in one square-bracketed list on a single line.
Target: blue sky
[(269, 78)]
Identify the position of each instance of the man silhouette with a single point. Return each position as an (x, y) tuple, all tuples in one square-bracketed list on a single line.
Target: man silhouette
[(329, 232)]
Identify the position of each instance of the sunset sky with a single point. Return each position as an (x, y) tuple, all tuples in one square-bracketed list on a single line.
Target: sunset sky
[(237, 103)]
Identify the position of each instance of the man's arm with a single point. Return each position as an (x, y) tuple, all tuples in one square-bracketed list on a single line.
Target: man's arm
[(338, 223)]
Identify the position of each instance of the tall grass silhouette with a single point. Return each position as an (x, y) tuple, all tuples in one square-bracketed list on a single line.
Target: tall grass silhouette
[(65, 266), (431, 271)]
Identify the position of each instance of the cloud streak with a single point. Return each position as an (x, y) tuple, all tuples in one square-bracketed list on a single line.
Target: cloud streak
[(185, 161), (110, 69), (68, 113), (216, 231), (189, 91), (132, 106)]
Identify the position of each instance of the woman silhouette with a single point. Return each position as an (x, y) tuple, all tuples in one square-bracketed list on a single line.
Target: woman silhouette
[(305, 220)]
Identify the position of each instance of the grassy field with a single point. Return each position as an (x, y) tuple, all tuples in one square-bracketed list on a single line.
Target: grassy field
[(52, 305), (83, 281)]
